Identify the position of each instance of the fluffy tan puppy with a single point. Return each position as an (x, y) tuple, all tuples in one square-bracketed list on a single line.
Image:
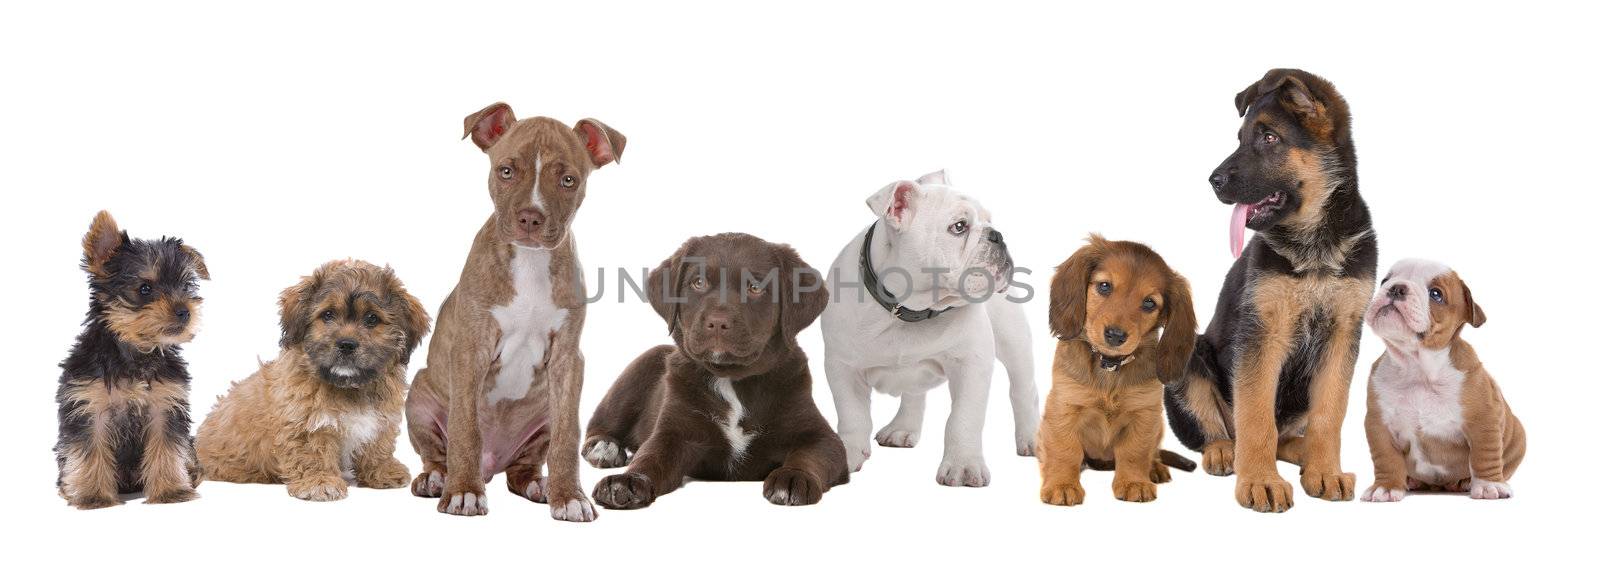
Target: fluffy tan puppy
[(326, 412)]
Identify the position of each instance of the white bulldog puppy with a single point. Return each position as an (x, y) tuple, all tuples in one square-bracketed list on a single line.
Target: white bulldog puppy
[(920, 299)]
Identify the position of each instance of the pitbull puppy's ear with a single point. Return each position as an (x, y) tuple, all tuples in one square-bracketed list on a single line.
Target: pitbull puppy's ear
[(934, 178), (801, 300), (603, 144), (895, 203), (1069, 290), (101, 243), (488, 125), (1473, 312), (294, 308), (664, 286)]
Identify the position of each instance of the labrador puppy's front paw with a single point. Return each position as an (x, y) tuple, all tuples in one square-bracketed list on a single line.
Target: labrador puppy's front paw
[(319, 489), (604, 452), (792, 487), (1379, 493), (963, 472), (1134, 491), (1066, 493), (1329, 486), (465, 503), (1482, 489), (428, 484), (1217, 457), (1264, 493), (625, 491)]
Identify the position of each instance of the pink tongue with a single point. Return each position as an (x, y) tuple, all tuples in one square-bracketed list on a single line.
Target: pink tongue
[(1241, 212)]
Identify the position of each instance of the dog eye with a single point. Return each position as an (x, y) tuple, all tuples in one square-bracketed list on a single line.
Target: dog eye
[(568, 181), (1436, 295), (756, 289), (371, 320), (327, 316), (959, 228), (1104, 288), (698, 284), (144, 290), (1148, 305), (505, 172), (1269, 137)]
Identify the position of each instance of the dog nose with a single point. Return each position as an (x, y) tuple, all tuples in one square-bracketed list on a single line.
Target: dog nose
[(717, 321), (1219, 178), (181, 313), (1397, 292), (347, 346), (995, 237), (1116, 337), (528, 219)]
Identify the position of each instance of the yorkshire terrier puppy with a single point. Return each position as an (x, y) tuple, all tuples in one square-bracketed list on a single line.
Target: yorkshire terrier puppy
[(326, 412), (124, 396)]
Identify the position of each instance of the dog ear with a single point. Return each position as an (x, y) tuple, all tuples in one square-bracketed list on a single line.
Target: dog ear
[(1474, 312), (604, 144), (895, 202), (1177, 334), (101, 243), (1069, 290), (934, 178), (488, 125), (1297, 98), (800, 304), (294, 308), (413, 316), (664, 285), (197, 260)]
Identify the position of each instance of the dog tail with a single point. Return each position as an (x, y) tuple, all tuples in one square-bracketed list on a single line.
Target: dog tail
[(1176, 460)]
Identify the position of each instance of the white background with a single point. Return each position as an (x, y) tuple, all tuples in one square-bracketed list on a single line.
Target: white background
[(279, 137)]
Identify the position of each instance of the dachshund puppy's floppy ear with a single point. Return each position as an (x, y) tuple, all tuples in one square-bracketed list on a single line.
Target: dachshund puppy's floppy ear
[(1177, 334), (1473, 311), (412, 316), (101, 243), (803, 295), (488, 125), (664, 286), (294, 308), (1069, 290), (603, 144)]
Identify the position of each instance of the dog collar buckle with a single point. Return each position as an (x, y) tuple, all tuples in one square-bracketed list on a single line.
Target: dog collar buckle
[(881, 295)]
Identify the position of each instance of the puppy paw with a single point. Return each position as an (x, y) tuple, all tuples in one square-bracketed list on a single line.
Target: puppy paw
[(182, 495), (792, 487), (856, 454), (469, 503), (963, 472), (1027, 445), (389, 475), (1482, 489), (534, 490), (1062, 494), (897, 438), (1380, 494), (1329, 486), (1264, 494), (625, 491), (1134, 491), (428, 484), (1217, 457), (92, 502), (319, 489), (574, 510), (1159, 473), (605, 453)]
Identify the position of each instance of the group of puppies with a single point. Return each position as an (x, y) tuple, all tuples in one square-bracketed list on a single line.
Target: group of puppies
[(730, 399)]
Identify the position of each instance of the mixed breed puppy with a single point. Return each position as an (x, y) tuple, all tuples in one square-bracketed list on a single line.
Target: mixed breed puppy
[(730, 399)]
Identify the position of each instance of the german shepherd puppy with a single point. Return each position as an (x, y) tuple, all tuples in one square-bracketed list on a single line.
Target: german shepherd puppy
[(1270, 376)]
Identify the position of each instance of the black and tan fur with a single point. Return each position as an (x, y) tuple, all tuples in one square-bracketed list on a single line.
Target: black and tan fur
[(1270, 376)]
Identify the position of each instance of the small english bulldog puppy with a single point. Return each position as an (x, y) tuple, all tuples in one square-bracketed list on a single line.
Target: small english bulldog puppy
[(921, 300), (1435, 419)]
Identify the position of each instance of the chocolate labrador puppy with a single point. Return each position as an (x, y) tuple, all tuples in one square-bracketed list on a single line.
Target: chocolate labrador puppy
[(731, 400)]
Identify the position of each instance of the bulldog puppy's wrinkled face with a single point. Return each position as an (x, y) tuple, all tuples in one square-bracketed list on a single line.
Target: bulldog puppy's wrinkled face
[(943, 240), (354, 321), (538, 169), (1422, 304), (733, 301)]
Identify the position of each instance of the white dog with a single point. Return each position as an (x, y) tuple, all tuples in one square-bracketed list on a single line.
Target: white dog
[(923, 304)]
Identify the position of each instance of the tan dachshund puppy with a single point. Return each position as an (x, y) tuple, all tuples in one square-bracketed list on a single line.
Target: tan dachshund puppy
[(1126, 325), (327, 411), (1436, 421)]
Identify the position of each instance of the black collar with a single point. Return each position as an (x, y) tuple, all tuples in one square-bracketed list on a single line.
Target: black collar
[(869, 278), (1109, 364)]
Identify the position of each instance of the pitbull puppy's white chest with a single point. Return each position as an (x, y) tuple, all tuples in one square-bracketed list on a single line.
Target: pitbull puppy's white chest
[(1417, 406), (527, 324), (738, 438)]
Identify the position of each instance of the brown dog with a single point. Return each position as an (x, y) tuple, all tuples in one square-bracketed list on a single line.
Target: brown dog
[(1126, 325), (327, 410), (732, 401), (500, 392), (1436, 421)]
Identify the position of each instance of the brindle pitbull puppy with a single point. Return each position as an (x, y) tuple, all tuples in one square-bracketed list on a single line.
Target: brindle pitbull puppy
[(500, 391)]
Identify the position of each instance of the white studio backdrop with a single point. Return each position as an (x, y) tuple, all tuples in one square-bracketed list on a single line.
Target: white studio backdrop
[(278, 136)]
